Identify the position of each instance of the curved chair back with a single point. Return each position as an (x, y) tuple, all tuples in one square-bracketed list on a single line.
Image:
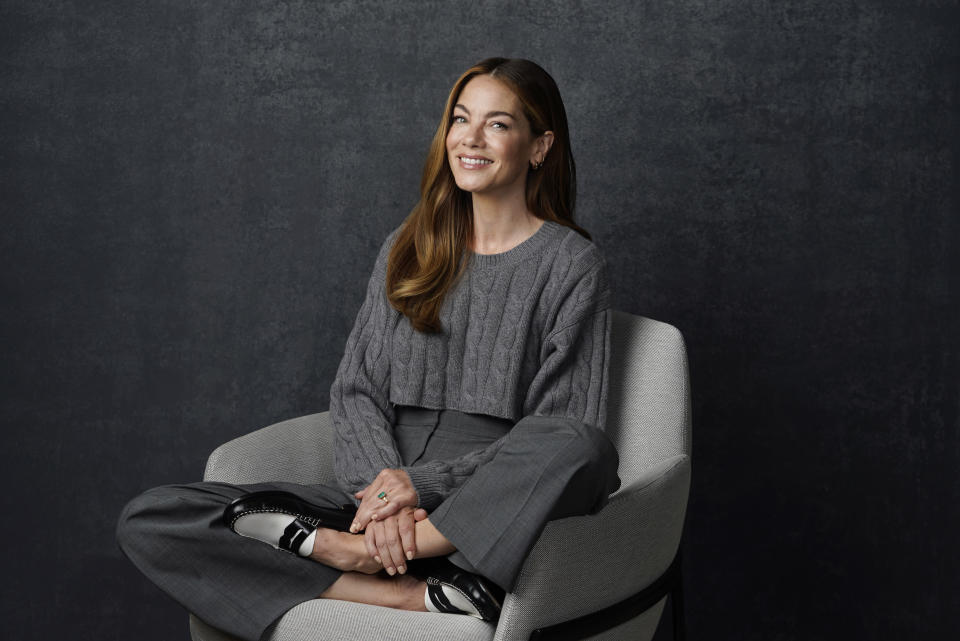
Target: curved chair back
[(648, 403)]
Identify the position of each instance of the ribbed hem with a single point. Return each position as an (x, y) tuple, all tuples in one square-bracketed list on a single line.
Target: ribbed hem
[(530, 247), (427, 485)]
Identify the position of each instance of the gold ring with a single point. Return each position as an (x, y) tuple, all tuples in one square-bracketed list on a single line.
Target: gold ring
[(383, 497)]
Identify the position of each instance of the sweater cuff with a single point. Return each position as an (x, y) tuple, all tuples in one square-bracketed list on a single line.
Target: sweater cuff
[(430, 491)]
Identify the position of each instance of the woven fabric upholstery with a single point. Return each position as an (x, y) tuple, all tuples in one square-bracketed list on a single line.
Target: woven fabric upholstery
[(648, 409), (579, 565), (344, 621), (299, 450)]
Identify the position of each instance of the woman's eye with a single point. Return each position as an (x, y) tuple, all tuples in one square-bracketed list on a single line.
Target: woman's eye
[(460, 117), (502, 126)]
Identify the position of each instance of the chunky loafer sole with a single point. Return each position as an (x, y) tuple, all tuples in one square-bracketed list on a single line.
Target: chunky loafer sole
[(280, 531), (452, 589), (278, 501)]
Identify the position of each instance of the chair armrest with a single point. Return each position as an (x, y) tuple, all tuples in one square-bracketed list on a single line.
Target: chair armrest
[(299, 450), (633, 538)]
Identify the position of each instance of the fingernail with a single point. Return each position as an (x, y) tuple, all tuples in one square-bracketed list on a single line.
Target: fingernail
[(353, 527), (409, 555), (391, 571), (401, 569), (377, 559)]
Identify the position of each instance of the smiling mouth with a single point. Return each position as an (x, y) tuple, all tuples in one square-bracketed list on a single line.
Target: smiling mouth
[(475, 162)]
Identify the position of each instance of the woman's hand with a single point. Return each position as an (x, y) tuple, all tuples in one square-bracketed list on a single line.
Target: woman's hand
[(398, 491), (391, 541)]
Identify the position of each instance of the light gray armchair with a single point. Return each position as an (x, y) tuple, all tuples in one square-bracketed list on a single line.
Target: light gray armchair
[(601, 576)]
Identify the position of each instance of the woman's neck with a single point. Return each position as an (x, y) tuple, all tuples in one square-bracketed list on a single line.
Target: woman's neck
[(501, 224)]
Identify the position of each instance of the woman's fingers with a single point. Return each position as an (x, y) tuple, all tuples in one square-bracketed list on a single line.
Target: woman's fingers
[(386, 509), (364, 515), (392, 541), (386, 546), (420, 514), (407, 529), (384, 497), (367, 495), (370, 541), (397, 492), (398, 538)]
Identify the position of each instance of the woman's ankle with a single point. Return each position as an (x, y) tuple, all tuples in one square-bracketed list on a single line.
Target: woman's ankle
[(400, 592), (413, 593), (343, 551)]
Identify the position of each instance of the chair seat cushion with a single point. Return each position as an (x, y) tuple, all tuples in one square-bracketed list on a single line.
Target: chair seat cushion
[(346, 621), (332, 620)]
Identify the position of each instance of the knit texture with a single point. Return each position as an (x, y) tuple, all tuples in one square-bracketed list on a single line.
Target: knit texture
[(526, 332)]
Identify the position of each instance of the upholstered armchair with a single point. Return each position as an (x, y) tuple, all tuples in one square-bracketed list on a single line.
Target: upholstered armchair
[(601, 576)]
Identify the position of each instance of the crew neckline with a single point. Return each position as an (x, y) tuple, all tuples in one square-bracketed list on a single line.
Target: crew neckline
[(530, 247)]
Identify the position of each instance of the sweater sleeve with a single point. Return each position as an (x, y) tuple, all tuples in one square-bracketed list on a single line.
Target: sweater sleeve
[(573, 379), (570, 383), (360, 409), (435, 480)]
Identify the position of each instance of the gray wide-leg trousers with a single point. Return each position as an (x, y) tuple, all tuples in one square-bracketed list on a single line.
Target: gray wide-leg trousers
[(545, 468)]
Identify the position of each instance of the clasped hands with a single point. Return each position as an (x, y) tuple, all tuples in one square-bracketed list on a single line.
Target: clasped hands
[(389, 526)]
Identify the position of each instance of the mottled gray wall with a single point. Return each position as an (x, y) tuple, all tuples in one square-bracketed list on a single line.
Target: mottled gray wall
[(193, 194)]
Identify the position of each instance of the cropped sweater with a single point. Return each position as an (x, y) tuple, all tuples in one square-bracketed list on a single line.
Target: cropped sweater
[(526, 332)]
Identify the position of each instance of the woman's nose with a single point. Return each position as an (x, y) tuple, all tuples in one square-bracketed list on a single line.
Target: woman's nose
[(473, 135)]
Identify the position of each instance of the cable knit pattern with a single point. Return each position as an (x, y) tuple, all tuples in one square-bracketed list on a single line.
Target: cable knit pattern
[(526, 333)]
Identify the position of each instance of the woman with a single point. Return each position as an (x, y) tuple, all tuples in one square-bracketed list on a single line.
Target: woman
[(468, 407)]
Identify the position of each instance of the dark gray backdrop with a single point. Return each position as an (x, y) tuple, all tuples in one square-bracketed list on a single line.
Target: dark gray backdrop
[(193, 194)]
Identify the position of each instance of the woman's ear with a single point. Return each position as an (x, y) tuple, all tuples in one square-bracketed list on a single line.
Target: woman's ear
[(541, 146)]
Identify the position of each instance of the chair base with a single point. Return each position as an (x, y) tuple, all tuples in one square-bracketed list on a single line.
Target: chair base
[(669, 583)]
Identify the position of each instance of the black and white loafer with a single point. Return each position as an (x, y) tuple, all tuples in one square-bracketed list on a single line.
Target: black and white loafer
[(284, 520), (453, 590)]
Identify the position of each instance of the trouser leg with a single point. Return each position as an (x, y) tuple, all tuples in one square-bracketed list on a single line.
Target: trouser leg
[(174, 535), (547, 468)]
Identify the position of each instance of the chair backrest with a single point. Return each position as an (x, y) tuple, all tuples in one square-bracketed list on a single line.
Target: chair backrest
[(648, 404)]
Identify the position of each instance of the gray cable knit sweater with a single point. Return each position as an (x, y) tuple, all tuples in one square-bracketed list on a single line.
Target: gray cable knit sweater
[(526, 332)]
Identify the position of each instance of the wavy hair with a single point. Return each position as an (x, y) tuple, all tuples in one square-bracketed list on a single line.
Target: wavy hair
[(430, 251)]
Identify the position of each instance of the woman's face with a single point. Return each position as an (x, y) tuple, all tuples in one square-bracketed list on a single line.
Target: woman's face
[(490, 146)]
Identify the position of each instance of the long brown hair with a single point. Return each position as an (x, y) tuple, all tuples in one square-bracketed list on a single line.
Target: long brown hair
[(428, 255)]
